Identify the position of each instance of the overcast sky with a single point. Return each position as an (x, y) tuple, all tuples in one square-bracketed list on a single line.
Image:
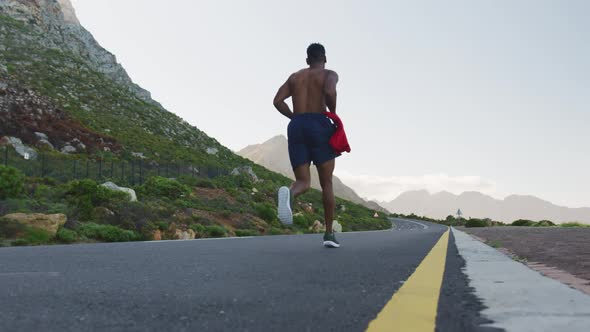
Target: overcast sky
[(491, 96)]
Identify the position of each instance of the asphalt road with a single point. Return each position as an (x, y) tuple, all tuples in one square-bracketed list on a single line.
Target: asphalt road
[(287, 283)]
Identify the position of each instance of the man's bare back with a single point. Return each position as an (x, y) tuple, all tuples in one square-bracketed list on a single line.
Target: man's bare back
[(311, 89)]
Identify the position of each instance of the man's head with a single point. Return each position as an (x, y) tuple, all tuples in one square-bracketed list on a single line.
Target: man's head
[(316, 54)]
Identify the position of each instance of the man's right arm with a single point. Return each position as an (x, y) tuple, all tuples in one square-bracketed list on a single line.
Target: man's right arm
[(330, 90), (279, 101)]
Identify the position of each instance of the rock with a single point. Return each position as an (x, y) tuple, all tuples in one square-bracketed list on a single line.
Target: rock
[(45, 143), (245, 170), (131, 192), (376, 215), (254, 190), (317, 227), (212, 151), (138, 155), (157, 236), (102, 213), (185, 235), (41, 136), (337, 227), (308, 207), (68, 149), (343, 208), (48, 222), (23, 150)]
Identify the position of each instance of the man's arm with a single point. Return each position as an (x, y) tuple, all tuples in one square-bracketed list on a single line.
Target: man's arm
[(330, 90), (283, 94)]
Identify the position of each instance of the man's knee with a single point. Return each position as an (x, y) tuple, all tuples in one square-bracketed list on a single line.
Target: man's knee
[(305, 185)]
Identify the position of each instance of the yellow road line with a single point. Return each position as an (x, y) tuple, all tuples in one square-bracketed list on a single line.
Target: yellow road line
[(413, 307)]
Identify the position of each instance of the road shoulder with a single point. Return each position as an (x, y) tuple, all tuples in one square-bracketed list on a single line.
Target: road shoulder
[(518, 298)]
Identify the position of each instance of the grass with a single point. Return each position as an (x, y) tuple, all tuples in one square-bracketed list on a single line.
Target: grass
[(574, 224), (495, 244)]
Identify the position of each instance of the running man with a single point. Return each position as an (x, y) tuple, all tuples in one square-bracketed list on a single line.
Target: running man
[(312, 89)]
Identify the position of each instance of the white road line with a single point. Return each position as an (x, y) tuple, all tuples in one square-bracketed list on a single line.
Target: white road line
[(518, 298), (24, 274)]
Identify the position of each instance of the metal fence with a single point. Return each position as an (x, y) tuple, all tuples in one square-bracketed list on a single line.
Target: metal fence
[(123, 172)]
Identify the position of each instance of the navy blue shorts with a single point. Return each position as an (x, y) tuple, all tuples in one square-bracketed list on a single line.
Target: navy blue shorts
[(309, 135)]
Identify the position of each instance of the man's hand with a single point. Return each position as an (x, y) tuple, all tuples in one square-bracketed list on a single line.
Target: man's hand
[(283, 94)]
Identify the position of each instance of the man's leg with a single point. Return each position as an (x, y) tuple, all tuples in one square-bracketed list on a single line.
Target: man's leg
[(302, 180), (287, 195), (325, 172)]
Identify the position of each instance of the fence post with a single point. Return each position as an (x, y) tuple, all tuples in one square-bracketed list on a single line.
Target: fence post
[(87, 168), (112, 169), (42, 164), (100, 169), (140, 171), (132, 173), (75, 166), (123, 172), (6, 155)]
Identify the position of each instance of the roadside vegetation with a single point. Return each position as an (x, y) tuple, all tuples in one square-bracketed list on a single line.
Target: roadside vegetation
[(226, 206), (486, 222)]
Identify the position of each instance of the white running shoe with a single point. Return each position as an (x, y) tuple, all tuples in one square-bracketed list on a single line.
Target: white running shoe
[(285, 212)]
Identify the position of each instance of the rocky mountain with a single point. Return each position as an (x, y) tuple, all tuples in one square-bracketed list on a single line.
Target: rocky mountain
[(51, 63), (478, 205), (273, 154)]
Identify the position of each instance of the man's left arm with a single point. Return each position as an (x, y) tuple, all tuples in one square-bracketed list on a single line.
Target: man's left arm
[(279, 102)]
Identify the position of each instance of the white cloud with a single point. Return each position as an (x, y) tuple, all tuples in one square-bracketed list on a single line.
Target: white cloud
[(387, 188)]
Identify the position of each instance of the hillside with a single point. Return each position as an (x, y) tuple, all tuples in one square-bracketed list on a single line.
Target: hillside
[(273, 154), (66, 98), (477, 205)]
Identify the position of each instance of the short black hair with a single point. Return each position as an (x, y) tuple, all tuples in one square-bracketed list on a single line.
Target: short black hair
[(316, 52)]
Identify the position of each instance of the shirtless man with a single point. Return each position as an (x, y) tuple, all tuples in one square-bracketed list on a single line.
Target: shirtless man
[(312, 89)]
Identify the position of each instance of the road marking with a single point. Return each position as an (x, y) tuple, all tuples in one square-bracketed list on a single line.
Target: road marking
[(414, 306)]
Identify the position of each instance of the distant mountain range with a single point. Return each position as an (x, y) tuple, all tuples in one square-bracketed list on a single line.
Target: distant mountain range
[(273, 154), (478, 205)]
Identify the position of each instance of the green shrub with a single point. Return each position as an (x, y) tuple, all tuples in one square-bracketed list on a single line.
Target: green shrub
[(10, 229), (85, 195), (246, 232), (544, 223), (477, 223), (266, 212), (523, 222), (198, 228), (303, 221), (157, 186), (574, 224), (12, 182), (65, 235), (216, 231), (36, 236), (205, 183), (276, 231), (107, 233)]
